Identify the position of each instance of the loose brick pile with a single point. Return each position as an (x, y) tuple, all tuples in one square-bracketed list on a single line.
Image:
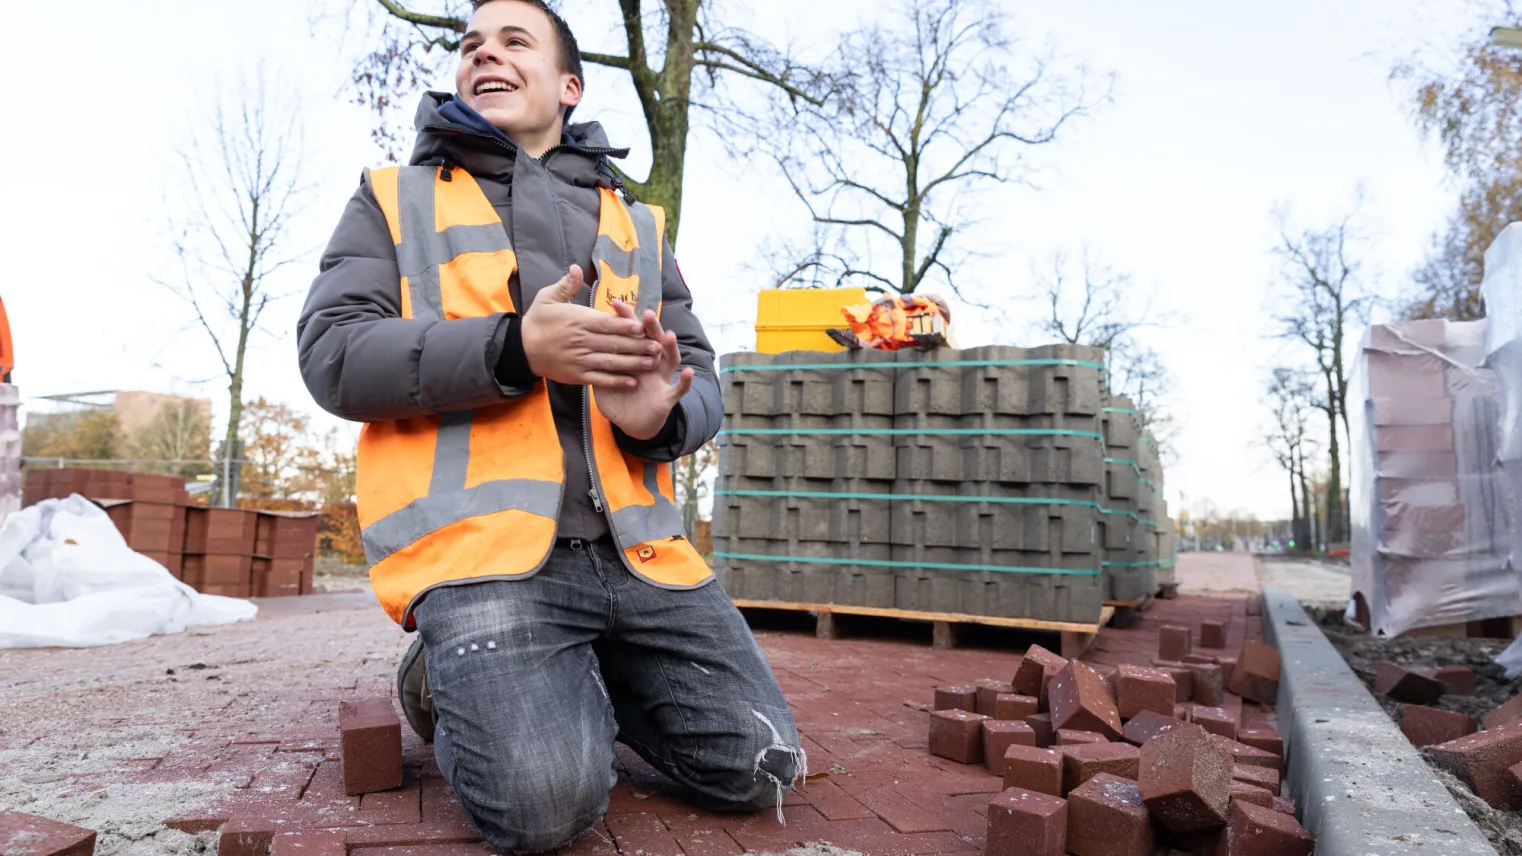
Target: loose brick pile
[(228, 551), (1128, 760)]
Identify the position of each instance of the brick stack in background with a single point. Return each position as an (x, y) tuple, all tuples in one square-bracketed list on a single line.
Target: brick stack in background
[(909, 550), (779, 494), (1127, 575), (1430, 539), (227, 551)]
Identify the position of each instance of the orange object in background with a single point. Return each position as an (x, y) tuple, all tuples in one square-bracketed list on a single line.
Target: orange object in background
[(895, 323), (7, 351)]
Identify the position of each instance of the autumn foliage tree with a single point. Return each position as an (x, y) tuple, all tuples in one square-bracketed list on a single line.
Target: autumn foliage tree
[(1473, 107)]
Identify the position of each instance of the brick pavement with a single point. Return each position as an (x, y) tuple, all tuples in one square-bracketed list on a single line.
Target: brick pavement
[(266, 735)]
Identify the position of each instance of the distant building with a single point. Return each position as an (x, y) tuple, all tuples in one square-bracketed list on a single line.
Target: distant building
[(183, 436)]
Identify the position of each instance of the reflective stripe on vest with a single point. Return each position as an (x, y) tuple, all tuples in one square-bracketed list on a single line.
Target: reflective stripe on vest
[(476, 494)]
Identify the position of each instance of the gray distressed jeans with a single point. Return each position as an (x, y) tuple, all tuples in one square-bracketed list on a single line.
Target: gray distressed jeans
[(532, 681)]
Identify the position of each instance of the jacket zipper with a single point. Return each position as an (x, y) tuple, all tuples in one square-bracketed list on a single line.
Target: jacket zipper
[(586, 427)]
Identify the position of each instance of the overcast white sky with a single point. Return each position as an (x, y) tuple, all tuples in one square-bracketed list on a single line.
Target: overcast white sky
[(1222, 112)]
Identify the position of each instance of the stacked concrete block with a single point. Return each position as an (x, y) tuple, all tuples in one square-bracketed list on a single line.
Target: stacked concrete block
[(1127, 575), (797, 500), (1431, 535), (999, 467), (991, 478)]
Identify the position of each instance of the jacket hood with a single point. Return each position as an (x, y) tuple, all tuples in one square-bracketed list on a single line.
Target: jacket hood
[(448, 129)]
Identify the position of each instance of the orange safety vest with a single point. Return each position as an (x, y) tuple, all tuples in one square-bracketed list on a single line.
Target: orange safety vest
[(890, 324), (472, 495)]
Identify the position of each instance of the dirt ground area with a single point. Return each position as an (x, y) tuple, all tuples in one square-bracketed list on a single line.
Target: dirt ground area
[(1364, 653)]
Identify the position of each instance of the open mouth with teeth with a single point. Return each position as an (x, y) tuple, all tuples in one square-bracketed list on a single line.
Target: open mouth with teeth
[(490, 86)]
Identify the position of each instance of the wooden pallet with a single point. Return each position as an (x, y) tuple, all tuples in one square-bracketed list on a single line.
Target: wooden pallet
[(1076, 637)]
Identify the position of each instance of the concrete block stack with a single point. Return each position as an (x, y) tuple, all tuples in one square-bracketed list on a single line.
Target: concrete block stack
[(1431, 535), (1134, 763), (1129, 574), (951, 481), (235, 552)]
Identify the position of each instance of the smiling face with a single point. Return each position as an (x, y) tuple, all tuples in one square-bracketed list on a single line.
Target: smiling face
[(511, 73)]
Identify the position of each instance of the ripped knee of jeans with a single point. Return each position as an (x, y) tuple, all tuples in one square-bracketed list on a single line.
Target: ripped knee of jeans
[(782, 764)]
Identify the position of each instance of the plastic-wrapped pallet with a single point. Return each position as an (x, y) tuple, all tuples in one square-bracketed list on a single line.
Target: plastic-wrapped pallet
[(10, 451), (1502, 290), (1000, 481), (1428, 504)]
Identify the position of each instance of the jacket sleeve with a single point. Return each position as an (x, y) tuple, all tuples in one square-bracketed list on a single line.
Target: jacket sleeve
[(698, 416), (362, 361)]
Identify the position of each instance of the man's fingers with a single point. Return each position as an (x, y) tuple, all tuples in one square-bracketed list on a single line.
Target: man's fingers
[(619, 363), (683, 384), (670, 351), (612, 325), (604, 344), (563, 291), (652, 326), (624, 310), (604, 380)]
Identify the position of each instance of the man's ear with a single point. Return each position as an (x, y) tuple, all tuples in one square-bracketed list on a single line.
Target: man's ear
[(570, 90)]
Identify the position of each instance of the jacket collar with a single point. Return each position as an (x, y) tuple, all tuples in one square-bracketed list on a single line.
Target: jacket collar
[(448, 129)]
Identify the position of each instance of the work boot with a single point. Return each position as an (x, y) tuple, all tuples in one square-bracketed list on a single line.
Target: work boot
[(412, 689)]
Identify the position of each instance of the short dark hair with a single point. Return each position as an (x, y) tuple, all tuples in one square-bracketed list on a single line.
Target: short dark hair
[(570, 51)]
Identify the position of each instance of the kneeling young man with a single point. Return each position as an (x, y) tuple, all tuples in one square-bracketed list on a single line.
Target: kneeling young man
[(513, 330)]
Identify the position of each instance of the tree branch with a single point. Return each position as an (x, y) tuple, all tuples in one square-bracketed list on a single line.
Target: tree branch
[(442, 22)]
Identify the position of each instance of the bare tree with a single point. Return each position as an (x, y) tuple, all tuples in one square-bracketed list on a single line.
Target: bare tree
[(679, 55), (932, 109), (1099, 314), (1321, 296), (1289, 439), (180, 432), (244, 188)]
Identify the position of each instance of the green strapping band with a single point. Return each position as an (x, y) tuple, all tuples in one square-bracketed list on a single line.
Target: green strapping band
[(939, 566), (777, 367), (911, 497), (910, 432)]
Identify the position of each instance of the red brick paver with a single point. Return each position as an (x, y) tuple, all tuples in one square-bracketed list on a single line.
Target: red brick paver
[(251, 713)]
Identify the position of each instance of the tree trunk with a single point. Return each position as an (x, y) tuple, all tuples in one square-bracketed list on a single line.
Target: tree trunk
[(1294, 501), (1335, 531), (1308, 510)]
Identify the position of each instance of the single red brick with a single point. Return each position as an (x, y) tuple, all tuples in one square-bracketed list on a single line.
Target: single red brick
[(1257, 831), (1106, 817), (1482, 761), (370, 740), (1262, 738), (1242, 754), (1228, 668), (1023, 822), (957, 735), (1147, 725), (1033, 769), (1080, 701), (956, 698), (1256, 676), (1507, 713), (1173, 642), (25, 834), (1073, 737), (1212, 634), (1404, 685), (1215, 720), (1263, 777), (999, 735), (1185, 779), (1041, 723), (1036, 670), (1084, 762), (1428, 726), (247, 835), (1459, 680), (326, 842), (1183, 678), (1209, 684), (1285, 805), (1015, 706), (1251, 793), (987, 691), (1138, 689)]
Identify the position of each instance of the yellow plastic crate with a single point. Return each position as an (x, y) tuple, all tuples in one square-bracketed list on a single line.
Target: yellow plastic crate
[(794, 319)]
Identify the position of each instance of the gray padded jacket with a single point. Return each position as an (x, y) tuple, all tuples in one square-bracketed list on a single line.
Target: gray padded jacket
[(362, 361)]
